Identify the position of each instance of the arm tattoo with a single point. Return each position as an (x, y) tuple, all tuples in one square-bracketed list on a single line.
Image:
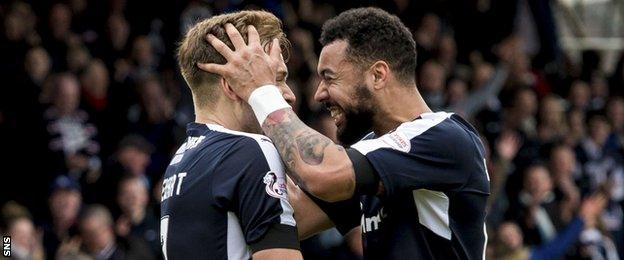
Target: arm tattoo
[(292, 137)]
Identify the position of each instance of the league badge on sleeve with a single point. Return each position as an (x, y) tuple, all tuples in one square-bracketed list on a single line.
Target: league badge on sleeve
[(275, 185)]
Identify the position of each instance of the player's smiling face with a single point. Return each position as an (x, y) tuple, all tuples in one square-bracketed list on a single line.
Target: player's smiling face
[(344, 92)]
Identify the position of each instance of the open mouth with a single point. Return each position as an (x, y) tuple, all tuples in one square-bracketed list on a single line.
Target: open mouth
[(337, 114)]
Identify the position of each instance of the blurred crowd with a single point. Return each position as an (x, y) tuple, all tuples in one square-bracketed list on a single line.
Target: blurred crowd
[(92, 106)]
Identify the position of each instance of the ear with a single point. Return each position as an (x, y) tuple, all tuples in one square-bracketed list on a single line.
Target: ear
[(227, 90), (381, 74)]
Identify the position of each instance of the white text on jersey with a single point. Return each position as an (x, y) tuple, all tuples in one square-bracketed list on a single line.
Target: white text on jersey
[(170, 183)]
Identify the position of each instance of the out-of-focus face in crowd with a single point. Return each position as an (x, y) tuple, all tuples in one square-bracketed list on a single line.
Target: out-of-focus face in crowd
[(525, 104), (142, 51), (456, 91), (23, 237), (133, 159), (537, 182), (78, 58), (552, 112), (599, 129), (482, 73), (65, 206), (67, 96), (96, 229), (579, 95), (95, 80), (432, 77), (510, 236), (60, 21), (133, 196), (37, 64), (562, 162), (118, 31)]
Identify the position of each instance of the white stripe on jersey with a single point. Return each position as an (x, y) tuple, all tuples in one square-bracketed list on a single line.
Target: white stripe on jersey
[(433, 211), (275, 164), (408, 130), (236, 246)]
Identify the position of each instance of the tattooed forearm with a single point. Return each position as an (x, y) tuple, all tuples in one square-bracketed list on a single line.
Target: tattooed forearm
[(311, 147), (297, 144)]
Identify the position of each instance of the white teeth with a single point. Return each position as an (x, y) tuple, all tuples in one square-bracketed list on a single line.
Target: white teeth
[(335, 113)]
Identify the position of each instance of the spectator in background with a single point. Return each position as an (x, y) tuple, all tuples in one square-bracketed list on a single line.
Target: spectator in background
[(576, 127), (78, 58), (536, 209), (131, 158), (426, 37), (499, 167), (136, 217), (59, 38), (94, 81), (521, 115), (579, 96), (72, 137), (563, 170), (432, 79), (25, 241), (65, 202), (99, 240), (103, 105), (599, 89), (143, 61), (615, 115), (552, 125), (509, 238), (152, 118)]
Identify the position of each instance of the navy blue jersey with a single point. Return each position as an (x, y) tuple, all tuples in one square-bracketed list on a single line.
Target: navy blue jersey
[(224, 197), (436, 186)]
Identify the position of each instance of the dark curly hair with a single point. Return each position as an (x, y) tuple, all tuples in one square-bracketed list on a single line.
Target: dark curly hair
[(374, 34)]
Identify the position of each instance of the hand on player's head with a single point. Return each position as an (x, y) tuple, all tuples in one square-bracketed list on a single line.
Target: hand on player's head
[(248, 65)]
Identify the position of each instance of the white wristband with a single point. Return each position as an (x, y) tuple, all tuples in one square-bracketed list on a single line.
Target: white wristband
[(266, 100)]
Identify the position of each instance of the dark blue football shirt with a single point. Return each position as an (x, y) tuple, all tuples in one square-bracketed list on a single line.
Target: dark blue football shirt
[(224, 197), (436, 186)]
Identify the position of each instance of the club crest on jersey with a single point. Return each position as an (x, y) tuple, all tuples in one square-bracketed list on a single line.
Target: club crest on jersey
[(275, 185)]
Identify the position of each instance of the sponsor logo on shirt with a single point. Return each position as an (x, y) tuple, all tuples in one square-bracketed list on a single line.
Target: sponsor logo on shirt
[(275, 185), (397, 140), (372, 223)]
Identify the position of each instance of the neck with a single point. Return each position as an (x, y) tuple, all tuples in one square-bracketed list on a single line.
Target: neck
[(402, 104), (217, 115)]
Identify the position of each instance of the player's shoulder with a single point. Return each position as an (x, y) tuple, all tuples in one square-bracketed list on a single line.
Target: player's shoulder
[(250, 143), (439, 130), (244, 138)]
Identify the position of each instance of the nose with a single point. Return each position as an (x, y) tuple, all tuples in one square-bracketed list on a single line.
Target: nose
[(321, 93), (288, 95)]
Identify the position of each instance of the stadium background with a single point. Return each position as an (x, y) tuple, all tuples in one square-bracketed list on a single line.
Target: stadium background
[(92, 106)]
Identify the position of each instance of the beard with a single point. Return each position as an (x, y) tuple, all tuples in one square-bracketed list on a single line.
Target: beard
[(358, 119)]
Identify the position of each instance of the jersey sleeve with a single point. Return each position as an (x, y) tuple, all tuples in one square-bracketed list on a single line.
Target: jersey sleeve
[(344, 214), (257, 195), (424, 154)]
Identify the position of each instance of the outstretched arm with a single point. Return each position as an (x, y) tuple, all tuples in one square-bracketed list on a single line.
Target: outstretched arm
[(313, 160)]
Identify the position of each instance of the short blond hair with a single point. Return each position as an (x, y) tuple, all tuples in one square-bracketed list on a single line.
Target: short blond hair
[(194, 48)]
